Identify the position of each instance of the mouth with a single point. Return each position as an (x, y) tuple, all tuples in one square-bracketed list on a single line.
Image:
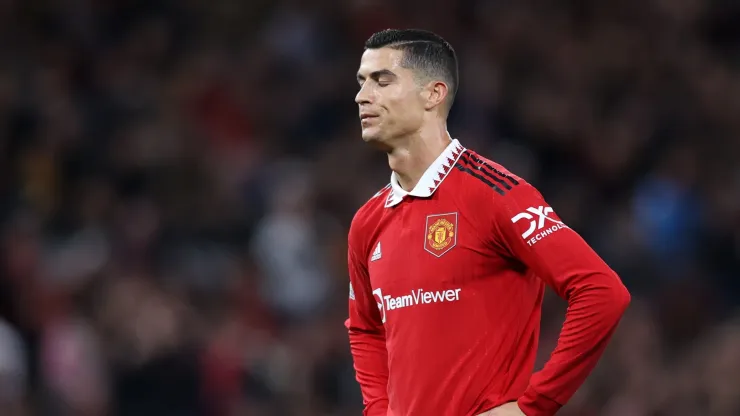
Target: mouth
[(367, 119)]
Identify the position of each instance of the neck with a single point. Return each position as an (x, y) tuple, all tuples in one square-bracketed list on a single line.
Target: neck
[(413, 154)]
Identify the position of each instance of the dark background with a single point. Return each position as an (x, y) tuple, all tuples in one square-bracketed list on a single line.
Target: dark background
[(177, 179)]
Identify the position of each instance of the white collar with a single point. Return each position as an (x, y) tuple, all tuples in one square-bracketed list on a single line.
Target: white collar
[(431, 179)]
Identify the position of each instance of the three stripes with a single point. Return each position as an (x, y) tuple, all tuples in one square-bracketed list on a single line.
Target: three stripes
[(481, 170)]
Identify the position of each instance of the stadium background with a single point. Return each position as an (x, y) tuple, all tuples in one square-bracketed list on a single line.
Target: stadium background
[(177, 179)]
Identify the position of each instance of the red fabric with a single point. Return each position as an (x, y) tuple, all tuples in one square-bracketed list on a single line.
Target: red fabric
[(462, 315), (367, 340)]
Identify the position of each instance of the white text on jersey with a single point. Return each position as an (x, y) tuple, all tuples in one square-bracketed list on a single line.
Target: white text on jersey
[(538, 223), (416, 297)]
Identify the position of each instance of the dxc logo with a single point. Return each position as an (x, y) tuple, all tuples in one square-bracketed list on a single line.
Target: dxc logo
[(536, 223)]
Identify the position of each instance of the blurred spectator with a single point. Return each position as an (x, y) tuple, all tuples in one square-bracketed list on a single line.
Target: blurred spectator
[(288, 246), (13, 370)]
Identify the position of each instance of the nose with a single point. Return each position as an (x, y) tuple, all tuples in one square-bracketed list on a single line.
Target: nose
[(363, 96)]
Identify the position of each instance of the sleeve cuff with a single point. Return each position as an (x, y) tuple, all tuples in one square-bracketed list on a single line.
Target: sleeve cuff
[(535, 404)]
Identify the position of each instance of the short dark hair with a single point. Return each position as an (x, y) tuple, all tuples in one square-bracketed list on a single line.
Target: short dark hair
[(423, 51)]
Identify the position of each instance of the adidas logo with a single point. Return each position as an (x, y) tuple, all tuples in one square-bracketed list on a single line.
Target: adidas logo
[(377, 253)]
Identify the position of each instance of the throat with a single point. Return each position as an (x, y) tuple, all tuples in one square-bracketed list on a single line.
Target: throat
[(411, 162), (408, 171)]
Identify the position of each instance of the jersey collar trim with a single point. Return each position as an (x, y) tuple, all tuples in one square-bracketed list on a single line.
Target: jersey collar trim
[(432, 178)]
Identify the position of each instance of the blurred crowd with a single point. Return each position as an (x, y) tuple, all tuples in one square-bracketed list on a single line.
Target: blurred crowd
[(177, 178)]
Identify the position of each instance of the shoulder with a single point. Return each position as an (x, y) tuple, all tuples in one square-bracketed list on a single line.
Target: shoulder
[(504, 197), (489, 177), (496, 192), (366, 217)]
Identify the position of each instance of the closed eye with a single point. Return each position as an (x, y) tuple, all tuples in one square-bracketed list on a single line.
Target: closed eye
[(383, 77)]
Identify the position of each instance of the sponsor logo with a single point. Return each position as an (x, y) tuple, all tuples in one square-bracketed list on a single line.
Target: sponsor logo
[(440, 233), (377, 253), (416, 297), (540, 223)]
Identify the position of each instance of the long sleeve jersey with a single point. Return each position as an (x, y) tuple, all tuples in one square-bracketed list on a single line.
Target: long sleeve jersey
[(446, 288)]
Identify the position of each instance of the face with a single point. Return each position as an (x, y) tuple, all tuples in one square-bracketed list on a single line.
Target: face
[(390, 101)]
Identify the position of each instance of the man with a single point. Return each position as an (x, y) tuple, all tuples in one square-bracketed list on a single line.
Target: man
[(448, 262)]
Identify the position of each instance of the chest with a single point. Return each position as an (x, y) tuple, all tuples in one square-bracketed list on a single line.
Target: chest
[(429, 248)]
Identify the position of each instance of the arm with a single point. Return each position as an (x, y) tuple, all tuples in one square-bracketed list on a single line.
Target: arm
[(529, 231), (367, 340)]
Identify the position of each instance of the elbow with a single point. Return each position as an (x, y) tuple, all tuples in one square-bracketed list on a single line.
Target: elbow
[(605, 289), (619, 297)]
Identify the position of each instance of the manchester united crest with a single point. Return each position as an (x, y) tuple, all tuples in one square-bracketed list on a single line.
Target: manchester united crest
[(441, 233)]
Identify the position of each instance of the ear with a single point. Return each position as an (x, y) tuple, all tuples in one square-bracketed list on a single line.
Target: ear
[(435, 94)]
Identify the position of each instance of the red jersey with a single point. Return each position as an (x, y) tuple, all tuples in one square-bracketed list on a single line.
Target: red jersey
[(446, 288)]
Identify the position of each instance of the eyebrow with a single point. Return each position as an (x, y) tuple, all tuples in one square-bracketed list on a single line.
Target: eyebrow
[(377, 74)]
